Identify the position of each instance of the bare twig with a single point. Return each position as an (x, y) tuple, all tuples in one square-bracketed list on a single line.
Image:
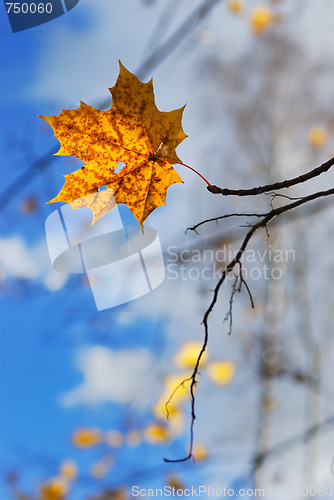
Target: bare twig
[(172, 395), (173, 42), (235, 289), (285, 445), (280, 195), (262, 224), (244, 282), (25, 178), (276, 185), (226, 216)]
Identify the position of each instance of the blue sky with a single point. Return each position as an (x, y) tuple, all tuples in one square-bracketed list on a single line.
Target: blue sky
[(48, 321)]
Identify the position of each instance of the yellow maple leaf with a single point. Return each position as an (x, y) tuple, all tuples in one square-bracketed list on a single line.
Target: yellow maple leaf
[(133, 132)]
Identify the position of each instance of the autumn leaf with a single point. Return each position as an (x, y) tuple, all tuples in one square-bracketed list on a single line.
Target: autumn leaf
[(187, 357), (133, 438), (156, 434), (221, 372), (235, 6), (85, 438), (133, 132), (54, 489), (68, 470), (317, 137), (262, 18), (114, 439), (101, 468), (200, 452)]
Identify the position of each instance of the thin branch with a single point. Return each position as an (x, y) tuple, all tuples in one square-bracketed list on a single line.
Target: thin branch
[(25, 178), (243, 282), (195, 372), (262, 224), (216, 219), (282, 447), (172, 395), (276, 185), (160, 29), (173, 42), (229, 314), (259, 215), (280, 195)]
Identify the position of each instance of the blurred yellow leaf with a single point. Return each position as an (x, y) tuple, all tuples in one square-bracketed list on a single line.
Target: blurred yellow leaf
[(176, 423), (175, 482), (317, 137), (118, 494), (187, 357), (174, 381), (55, 489), (200, 452), (261, 19), (159, 409), (85, 438), (28, 206), (182, 393), (101, 468), (156, 434), (235, 6), (114, 439), (133, 438), (269, 403), (221, 372), (68, 470)]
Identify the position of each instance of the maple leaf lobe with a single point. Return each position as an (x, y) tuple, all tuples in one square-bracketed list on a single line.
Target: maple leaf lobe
[(133, 132)]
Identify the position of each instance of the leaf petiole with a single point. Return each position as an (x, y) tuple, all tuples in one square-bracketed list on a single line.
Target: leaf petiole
[(191, 168)]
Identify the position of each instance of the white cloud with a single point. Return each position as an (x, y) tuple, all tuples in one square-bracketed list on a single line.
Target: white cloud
[(126, 377), (18, 260), (54, 281), (32, 263)]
